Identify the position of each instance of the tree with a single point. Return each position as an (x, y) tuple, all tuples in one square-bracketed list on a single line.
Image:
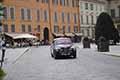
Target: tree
[(105, 27)]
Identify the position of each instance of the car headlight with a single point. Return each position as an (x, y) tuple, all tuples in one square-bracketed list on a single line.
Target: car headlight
[(57, 48), (72, 48)]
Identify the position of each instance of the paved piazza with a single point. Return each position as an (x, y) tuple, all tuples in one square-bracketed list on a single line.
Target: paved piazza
[(37, 64)]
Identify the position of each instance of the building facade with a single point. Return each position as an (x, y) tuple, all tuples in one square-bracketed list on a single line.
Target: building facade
[(114, 11), (89, 11), (41, 17)]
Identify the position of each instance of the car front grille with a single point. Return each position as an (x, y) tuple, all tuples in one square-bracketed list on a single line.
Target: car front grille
[(65, 50)]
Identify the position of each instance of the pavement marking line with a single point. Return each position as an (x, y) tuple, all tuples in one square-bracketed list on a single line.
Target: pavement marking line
[(20, 56)]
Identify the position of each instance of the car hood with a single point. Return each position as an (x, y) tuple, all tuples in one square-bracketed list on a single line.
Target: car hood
[(63, 46)]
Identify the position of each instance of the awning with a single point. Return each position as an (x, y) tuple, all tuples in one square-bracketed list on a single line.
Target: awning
[(69, 34), (58, 34), (27, 36), (20, 35), (78, 34), (12, 35)]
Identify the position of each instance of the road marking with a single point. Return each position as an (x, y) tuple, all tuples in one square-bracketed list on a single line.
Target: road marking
[(20, 56)]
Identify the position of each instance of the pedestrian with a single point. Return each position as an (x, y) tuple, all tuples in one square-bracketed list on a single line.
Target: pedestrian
[(3, 46), (3, 50)]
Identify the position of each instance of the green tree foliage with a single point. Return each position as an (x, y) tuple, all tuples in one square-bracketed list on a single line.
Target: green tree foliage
[(2, 74), (105, 27)]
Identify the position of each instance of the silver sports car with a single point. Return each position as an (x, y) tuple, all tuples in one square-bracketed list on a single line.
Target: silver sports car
[(62, 47)]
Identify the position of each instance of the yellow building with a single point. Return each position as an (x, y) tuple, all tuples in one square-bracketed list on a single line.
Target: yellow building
[(41, 17)]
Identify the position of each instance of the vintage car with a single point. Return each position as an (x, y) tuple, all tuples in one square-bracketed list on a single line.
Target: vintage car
[(62, 47)]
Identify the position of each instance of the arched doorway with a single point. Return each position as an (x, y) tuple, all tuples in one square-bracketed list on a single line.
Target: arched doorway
[(46, 35)]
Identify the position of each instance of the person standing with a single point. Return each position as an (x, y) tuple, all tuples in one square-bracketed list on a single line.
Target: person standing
[(3, 47)]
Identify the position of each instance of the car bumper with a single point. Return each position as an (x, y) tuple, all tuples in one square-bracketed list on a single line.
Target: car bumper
[(64, 52)]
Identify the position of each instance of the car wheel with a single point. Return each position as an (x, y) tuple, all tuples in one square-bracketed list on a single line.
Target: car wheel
[(55, 55), (74, 53)]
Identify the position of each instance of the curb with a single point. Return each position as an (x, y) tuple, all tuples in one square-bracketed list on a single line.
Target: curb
[(115, 54)]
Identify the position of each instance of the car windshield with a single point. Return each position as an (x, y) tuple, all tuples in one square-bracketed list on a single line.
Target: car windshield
[(63, 41)]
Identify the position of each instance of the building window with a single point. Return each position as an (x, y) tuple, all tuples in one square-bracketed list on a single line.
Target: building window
[(12, 28), (55, 2), (68, 29), (82, 31), (86, 6), (88, 32), (28, 14), (45, 15), (23, 28), (76, 3), (38, 15), (91, 6), (119, 10), (63, 29), (81, 19), (62, 2), (45, 1), (96, 7), (63, 16), (37, 0), (38, 28), (12, 13), (92, 19), (5, 28), (81, 5), (87, 19), (22, 14), (113, 13), (67, 2), (29, 28), (56, 29), (5, 13), (75, 29), (55, 17), (68, 18), (73, 3), (75, 18)]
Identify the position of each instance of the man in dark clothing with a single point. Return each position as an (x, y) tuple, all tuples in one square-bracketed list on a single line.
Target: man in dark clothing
[(3, 51)]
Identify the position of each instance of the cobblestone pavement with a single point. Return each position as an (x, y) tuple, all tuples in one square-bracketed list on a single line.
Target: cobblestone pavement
[(37, 64)]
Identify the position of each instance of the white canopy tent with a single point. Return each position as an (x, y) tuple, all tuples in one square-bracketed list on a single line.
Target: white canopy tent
[(27, 36), (21, 36)]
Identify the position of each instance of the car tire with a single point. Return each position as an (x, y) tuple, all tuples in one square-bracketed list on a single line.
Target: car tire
[(74, 53), (55, 55)]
